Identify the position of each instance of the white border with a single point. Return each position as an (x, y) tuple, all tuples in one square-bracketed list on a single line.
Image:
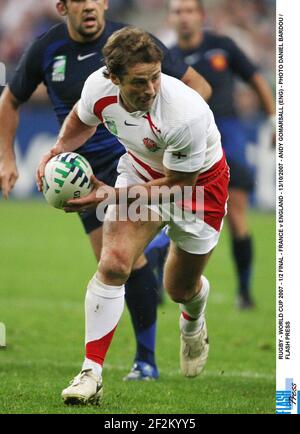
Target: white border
[(289, 368)]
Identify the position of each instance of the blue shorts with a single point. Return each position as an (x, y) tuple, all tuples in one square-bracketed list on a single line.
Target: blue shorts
[(234, 142), (104, 172)]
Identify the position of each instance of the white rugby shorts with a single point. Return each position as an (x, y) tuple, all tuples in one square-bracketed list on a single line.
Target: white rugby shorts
[(191, 233)]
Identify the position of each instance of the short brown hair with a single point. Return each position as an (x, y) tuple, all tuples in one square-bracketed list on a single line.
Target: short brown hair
[(127, 47)]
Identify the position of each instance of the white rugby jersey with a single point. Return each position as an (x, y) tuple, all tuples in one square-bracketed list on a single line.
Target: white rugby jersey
[(178, 132)]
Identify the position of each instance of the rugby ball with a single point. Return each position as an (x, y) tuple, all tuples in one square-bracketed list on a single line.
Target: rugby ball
[(67, 176)]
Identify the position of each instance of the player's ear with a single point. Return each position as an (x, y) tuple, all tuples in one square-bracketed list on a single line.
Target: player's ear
[(61, 8), (106, 5)]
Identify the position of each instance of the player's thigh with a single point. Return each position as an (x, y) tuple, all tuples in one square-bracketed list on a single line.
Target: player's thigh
[(104, 168), (95, 237), (93, 229), (182, 272), (238, 200), (125, 241)]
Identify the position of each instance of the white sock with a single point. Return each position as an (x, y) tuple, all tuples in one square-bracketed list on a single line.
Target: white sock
[(95, 367), (104, 305), (195, 310)]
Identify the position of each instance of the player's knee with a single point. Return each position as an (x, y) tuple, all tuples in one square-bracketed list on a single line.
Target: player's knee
[(233, 222), (180, 295), (238, 227), (115, 266), (181, 298)]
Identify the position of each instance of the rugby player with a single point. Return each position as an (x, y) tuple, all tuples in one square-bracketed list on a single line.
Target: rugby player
[(62, 59), (171, 140), (220, 61)]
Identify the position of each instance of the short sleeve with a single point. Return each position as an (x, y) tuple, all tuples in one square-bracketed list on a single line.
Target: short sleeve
[(239, 62), (186, 147), (28, 74), (85, 108)]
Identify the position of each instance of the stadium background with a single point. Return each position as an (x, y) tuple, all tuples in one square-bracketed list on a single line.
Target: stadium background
[(249, 23), (40, 254)]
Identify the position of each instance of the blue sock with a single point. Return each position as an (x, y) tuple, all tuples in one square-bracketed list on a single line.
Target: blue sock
[(156, 253), (243, 255), (141, 298)]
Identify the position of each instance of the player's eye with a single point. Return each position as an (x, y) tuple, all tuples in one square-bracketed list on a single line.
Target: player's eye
[(138, 82)]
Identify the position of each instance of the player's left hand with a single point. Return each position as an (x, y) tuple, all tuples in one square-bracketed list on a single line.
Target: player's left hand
[(97, 195)]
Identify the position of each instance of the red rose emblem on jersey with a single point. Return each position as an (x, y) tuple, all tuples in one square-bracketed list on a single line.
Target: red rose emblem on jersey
[(151, 145)]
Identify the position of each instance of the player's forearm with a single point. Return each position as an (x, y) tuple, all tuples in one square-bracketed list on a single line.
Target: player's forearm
[(74, 133), (197, 82), (158, 191), (264, 92), (9, 121)]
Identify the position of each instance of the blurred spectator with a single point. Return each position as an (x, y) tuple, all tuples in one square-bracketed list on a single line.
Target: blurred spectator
[(20, 22), (251, 23), (120, 9)]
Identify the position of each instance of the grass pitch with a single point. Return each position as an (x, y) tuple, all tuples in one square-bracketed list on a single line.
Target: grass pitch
[(45, 264)]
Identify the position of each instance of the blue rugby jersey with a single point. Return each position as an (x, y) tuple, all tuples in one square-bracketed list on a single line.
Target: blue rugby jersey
[(63, 65), (219, 60)]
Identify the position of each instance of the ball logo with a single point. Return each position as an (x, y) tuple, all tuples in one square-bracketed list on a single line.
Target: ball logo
[(73, 166), (151, 145)]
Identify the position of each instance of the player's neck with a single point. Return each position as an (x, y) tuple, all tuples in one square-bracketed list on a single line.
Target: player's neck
[(125, 104), (77, 37), (190, 42)]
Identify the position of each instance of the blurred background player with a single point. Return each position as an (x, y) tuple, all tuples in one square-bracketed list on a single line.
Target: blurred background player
[(62, 59), (220, 61)]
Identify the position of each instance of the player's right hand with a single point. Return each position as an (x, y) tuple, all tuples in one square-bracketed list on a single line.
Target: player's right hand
[(8, 176), (41, 168)]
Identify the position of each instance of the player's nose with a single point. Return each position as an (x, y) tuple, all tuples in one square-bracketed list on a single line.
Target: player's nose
[(89, 5), (150, 88)]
